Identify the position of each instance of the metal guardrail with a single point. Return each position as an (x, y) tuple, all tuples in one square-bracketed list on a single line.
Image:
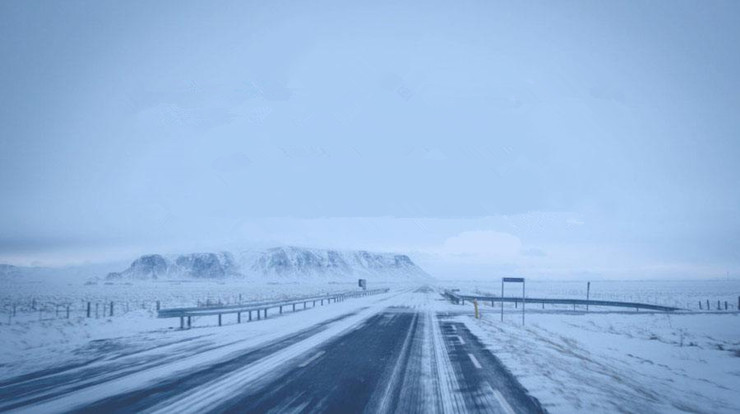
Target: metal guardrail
[(259, 307), (462, 298)]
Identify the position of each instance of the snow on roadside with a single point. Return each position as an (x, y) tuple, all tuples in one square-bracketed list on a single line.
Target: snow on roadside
[(619, 362), (34, 345), (234, 339)]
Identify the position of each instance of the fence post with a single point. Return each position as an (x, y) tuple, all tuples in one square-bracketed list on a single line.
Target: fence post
[(111, 308), (88, 309), (190, 322), (725, 305), (238, 317), (182, 322), (281, 309), (294, 307), (250, 316), (700, 308), (708, 308), (219, 319), (588, 294), (67, 311)]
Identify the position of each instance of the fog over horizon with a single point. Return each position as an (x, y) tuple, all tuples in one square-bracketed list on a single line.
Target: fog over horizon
[(548, 139)]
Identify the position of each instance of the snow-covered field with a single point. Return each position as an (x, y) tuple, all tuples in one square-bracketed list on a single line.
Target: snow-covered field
[(32, 339), (601, 361), (615, 361), (684, 294)]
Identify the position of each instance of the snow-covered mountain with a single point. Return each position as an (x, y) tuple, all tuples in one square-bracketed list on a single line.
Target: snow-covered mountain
[(194, 265), (278, 262)]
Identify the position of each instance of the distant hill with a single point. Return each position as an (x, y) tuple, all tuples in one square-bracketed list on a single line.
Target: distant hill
[(275, 263)]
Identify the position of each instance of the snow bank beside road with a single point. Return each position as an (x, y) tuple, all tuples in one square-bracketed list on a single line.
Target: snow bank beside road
[(28, 344), (614, 362)]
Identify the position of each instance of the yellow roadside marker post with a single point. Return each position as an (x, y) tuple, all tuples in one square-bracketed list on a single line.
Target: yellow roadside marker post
[(475, 303)]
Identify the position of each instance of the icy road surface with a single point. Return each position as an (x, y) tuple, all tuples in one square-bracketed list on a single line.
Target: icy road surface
[(397, 352)]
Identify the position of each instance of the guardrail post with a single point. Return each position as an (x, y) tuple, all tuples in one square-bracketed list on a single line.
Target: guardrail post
[(708, 308), (725, 305), (182, 322), (281, 310), (250, 316), (738, 303), (190, 322), (259, 314), (238, 317), (67, 311), (88, 309), (111, 308), (219, 319), (718, 305), (265, 313), (294, 307), (157, 306)]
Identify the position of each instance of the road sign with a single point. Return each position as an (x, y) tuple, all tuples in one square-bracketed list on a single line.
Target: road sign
[(512, 280)]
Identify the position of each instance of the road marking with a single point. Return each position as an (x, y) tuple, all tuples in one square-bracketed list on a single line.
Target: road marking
[(461, 340), (310, 360), (475, 361), (503, 403), (453, 328)]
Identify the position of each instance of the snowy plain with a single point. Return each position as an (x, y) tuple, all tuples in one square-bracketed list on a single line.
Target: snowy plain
[(571, 361)]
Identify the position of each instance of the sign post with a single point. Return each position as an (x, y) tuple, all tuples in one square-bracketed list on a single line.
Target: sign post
[(512, 280)]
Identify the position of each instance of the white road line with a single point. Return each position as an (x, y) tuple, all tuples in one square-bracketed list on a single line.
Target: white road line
[(475, 361), (310, 360), (502, 401), (453, 328)]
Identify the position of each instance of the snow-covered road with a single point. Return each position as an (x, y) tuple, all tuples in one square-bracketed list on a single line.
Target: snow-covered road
[(395, 352)]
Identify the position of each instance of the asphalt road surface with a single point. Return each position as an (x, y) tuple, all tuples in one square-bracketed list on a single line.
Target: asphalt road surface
[(396, 360)]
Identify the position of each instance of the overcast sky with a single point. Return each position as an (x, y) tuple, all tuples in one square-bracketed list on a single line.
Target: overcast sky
[(482, 137)]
